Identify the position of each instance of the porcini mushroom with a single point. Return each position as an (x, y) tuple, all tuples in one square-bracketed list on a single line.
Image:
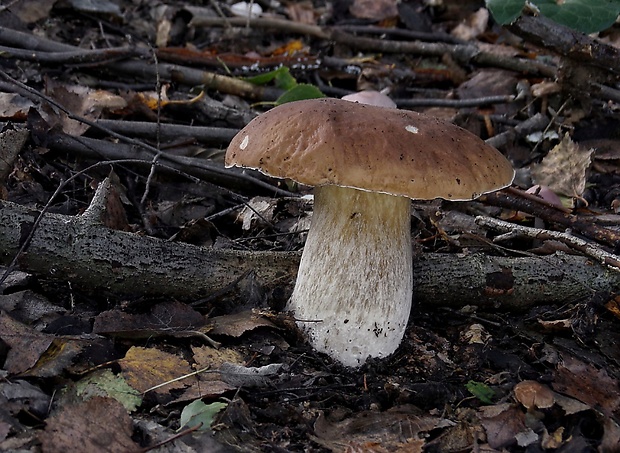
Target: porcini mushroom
[(354, 287)]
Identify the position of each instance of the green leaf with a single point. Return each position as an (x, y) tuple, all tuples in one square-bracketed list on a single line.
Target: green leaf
[(587, 16), (198, 412), (281, 76), (505, 11), (106, 383), (299, 93), (481, 391), (284, 79)]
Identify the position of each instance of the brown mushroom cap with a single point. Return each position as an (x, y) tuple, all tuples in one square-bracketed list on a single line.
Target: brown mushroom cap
[(533, 394), (333, 141)]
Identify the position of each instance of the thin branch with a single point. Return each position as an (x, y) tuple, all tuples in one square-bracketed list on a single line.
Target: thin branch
[(33, 94), (464, 53), (515, 199), (587, 248), (203, 134), (471, 102)]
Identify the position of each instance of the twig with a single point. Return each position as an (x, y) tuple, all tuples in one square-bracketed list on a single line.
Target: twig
[(517, 200), (581, 245), (31, 93), (72, 57), (472, 102), (169, 72), (203, 134), (180, 378), (464, 53), (283, 25), (568, 42), (535, 123), (149, 179), (178, 435), (402, 33), (207, 171)]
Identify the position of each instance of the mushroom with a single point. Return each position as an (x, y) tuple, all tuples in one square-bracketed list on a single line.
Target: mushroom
[(354, 287)]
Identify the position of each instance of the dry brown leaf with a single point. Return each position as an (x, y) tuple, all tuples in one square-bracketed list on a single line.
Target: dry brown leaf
[(237, 324), (81, 101), (26, 344), (206, 356), (587, 384), (302, 12), (564, 170), (473, 26), (97, 425), (32, 10), (13, 106), (503, 427), (395, 430), (144, 368), (167, 318)]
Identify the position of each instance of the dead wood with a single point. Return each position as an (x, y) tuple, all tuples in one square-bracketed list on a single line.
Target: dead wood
[(146, 69), (586, 225), (98, 260), (565, 41)]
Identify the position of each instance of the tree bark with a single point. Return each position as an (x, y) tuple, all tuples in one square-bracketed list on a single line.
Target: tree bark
[(105, 262)]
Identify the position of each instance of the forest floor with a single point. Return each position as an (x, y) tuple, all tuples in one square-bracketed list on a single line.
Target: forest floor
[(147, 97)]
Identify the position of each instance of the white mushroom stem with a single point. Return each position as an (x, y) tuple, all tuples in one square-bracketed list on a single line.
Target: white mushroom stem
[(354, 287)]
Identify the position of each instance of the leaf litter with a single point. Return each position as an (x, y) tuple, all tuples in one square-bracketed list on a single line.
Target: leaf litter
[(545, 380)]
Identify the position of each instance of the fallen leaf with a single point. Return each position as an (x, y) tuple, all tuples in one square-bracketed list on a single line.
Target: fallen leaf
[(587, 384), (167, 318), (237, 324), (199, 414), (564, 170), (503, 426), (399, 429), (144, 368), (33, 353), (473, 26), (22, 396), (98, 425), (105, 383)]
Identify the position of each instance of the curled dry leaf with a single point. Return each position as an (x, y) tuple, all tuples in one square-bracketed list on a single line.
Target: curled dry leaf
[(564, 169)]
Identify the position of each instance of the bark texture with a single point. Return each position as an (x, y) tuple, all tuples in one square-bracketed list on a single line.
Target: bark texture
[(101, 261)]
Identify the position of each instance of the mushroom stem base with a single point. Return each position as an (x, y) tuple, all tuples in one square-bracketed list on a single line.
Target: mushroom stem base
[(354, 287)]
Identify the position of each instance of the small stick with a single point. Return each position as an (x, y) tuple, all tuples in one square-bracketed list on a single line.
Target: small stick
[(581, 245)]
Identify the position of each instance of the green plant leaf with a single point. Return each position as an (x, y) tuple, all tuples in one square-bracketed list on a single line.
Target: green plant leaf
[(284, 79), (505, 11), (198, 412), (106, 383), (587, 16), (299, 93), (281, 76), (481, 391)]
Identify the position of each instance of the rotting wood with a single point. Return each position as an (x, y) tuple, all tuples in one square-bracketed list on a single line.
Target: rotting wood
[(107, 262)]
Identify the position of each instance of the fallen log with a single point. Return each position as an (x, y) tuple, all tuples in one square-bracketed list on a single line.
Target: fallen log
[(106, 262)]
